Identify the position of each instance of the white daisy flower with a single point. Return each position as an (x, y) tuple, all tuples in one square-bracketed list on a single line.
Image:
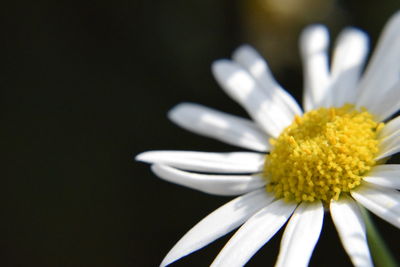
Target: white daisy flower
[(329, 157)]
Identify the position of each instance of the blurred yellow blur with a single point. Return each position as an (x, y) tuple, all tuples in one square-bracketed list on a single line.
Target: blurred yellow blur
[(273, 26)]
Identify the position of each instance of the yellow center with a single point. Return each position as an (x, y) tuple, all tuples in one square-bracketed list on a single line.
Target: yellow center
[(325, 152)]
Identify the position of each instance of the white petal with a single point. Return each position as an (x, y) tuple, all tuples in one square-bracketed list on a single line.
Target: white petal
[(254, 234), (390, 128), (386, 104), (224, 185), (384, 68), (349, 223), (385, 175), (314, 44), (221, 126), (388, 153), (389, 146), (260, 105), (255, 64), (218, 223), (385, 168), (347, 63), (234, 162), (301, 235), (383, 202), (389, 142)]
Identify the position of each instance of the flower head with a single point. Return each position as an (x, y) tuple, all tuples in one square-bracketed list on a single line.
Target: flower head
[(329, 157), (325, 152)]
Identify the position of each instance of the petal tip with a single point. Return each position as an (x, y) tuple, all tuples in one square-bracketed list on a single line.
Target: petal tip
[(168, 260), (156, 168), (242, 51), (141, 157), (220, 66), (175, 113), (146, 157), (314, 39)]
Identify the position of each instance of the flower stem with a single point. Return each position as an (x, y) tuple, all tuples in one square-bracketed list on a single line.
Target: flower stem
[(379, 251)]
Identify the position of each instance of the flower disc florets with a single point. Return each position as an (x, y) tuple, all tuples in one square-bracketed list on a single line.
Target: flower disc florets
[(325, 152)]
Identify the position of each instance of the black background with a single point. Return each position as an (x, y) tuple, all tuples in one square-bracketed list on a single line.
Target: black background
[(85, 86)]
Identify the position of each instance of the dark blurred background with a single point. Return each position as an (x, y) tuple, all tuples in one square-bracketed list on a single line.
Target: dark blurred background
[(86, 86)]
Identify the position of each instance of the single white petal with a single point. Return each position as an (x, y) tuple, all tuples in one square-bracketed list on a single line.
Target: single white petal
[(314, 42), (224, 185), (384, 168), (389, 139), (388, 148), (384, 202), (383, 70), (389, 142), (218, 223), (255, 64), (347, 63), (254, 234), (388, 153), (387, 103), (390, 128), (260, 105), (349, 223), (385, 175), (234, 162), (301, 235), (219, 125)]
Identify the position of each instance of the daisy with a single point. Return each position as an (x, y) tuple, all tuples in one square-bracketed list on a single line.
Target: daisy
[(330, 156)]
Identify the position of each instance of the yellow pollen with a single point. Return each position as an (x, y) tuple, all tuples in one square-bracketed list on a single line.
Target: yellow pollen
[(325, 152)]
